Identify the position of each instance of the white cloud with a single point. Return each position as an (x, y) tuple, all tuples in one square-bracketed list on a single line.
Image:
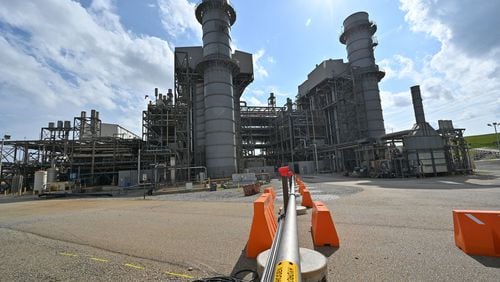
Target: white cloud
[(254, 101), (407, 69), (415, 9), (259, 70), (233, 45), (259, 96), (178, 18), (458, 82), (63, 58), (256, 92), (308, 22), (395, 101)]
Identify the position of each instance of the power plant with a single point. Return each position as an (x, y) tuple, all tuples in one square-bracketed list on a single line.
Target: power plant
[(202, 128)]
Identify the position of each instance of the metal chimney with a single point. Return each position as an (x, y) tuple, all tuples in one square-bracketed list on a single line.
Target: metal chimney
[(417, 104), (217, 67), (359, 40)]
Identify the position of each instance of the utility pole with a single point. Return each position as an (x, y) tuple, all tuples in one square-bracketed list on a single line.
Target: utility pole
[(494, 125)]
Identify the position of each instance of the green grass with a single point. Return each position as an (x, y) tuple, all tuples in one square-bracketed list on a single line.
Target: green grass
[(482, 141)]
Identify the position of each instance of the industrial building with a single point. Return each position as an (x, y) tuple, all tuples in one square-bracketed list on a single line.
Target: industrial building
[(203, 128)]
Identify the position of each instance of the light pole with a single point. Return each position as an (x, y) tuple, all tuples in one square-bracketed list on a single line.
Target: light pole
[(316, 157), (5, 137), (494, 125)]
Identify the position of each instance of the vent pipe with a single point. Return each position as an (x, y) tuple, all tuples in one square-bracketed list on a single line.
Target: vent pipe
[(417, 104)]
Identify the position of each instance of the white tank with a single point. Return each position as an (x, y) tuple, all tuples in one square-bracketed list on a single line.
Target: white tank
[(40, 180), (51, 174)]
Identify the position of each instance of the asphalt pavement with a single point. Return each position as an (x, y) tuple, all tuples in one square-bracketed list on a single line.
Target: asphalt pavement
[(389, 229)]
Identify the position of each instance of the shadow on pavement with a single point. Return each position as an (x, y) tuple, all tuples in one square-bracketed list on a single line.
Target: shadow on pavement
[(244, 263), (493, 262), (326, 250)]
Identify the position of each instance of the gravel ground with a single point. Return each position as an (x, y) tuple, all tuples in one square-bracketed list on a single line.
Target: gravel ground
[(321, 192)]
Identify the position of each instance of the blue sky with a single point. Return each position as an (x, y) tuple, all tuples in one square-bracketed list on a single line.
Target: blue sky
[(59, 57)]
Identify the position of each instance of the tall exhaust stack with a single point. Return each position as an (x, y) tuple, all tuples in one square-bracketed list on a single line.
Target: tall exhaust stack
[(217, 67), (358, 38), (418, 107)]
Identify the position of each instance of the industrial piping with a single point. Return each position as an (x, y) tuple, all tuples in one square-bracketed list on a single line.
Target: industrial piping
[(418, 107), (217, 67), (284, 258)]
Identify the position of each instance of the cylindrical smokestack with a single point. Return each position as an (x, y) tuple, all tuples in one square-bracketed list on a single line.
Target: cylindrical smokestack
[(418, 107), (358, 38), (216, 17)]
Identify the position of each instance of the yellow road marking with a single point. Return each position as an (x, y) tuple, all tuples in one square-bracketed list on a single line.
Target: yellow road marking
[(99, 259), (134, 266), (179, 275), (68, 254)]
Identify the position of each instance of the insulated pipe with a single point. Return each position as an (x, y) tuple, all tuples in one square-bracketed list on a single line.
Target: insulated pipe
[(284, 257), (288, 257), (418, 107), (271, 260)]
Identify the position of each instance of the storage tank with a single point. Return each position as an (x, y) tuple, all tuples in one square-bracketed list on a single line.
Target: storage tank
[(40, 180), (52, 174), (67, 124)]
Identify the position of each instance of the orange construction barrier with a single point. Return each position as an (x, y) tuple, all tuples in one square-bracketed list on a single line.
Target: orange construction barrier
[(301, 188), (264, 225), (306, 199), (477, 232), (297, 179), (323, 229), (271, 191)]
